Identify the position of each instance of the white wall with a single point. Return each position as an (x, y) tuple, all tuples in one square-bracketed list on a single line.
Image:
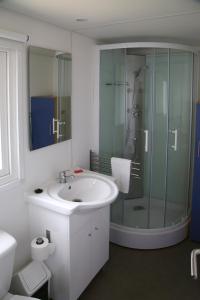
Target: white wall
[(82, 94), (43, 164)]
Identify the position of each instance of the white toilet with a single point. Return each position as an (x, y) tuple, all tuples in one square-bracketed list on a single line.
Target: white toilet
[(7, 255)]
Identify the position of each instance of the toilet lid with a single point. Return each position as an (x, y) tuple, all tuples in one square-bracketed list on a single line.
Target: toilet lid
[(17, 297)]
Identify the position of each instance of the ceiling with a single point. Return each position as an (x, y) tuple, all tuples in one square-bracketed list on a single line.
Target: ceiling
[(119, 20)]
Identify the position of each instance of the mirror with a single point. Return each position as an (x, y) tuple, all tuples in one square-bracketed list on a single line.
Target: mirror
[(49, 96)]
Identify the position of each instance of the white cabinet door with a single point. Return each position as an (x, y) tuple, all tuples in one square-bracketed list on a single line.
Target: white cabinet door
[(100, 240), (89, 248), (80, 261)]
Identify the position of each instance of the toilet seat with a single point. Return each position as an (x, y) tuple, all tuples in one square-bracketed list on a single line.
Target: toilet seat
[(17, 297)]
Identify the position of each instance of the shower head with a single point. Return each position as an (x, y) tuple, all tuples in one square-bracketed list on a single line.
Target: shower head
[(138, 72)]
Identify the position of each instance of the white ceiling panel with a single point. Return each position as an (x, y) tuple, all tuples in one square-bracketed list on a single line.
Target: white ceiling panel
[(178, 28), (118, 19)]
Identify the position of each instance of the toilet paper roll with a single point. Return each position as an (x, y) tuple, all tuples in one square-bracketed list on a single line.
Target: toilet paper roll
[(41, 248)]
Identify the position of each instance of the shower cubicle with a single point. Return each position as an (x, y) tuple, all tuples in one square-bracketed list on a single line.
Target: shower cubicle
[(146, 109)]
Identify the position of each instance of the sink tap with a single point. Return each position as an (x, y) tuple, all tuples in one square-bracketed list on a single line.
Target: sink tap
[(65, 177)]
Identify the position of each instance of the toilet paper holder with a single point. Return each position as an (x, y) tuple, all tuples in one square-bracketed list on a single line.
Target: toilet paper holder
[(41, 248)]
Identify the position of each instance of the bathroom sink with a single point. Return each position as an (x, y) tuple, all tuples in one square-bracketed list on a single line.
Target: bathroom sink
[(86, 191)]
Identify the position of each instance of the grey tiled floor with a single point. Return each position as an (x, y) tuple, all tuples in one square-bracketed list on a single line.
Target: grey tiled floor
[(146, 275)]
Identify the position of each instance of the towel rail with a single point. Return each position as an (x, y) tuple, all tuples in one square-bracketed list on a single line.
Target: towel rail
[(102, 164)]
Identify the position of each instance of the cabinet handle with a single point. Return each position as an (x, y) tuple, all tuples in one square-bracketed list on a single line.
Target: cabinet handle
[(96, 228), (55, 126), (89, 234)]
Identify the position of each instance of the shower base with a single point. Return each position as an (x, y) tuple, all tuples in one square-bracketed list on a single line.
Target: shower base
[(135, 211)]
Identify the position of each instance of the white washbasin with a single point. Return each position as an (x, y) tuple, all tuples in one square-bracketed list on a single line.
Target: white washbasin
[(86, 191)]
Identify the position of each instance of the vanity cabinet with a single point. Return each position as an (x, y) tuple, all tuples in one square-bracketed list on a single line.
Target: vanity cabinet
[(82, 247)]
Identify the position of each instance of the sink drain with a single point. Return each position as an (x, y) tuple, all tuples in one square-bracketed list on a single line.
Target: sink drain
[(77, 200)]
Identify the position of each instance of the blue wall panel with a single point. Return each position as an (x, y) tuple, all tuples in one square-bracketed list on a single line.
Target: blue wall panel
[(42, 113), (195, 221)]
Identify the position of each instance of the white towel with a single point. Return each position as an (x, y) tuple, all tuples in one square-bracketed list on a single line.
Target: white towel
[(121, 169)]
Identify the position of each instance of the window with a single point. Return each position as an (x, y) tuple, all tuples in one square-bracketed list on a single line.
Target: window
[(11, 56)]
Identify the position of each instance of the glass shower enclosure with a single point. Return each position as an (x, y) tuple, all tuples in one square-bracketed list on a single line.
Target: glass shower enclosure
[(146, 108)]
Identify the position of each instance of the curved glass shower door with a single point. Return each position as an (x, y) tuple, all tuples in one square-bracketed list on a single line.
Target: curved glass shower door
[(145, 116), (112, 125), (159, 135), (179, 145), (112, 104)]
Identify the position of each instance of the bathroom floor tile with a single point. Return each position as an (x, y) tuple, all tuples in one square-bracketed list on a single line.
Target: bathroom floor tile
[(146, 275)]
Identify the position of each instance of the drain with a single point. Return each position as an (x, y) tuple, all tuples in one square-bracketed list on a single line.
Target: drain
[(77, 200), (138, 207)]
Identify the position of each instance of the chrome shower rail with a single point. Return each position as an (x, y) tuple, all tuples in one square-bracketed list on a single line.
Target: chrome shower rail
[(194, 271)]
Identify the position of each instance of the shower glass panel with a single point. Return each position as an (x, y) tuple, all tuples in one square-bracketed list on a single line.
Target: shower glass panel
[(180, 112), (146, 138), (112, 115), (159, 138), (112, 106), (145, 116), (137, 137)]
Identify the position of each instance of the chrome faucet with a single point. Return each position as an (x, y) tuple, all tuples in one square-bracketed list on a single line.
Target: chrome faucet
[(65, 176), (194, 271)]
